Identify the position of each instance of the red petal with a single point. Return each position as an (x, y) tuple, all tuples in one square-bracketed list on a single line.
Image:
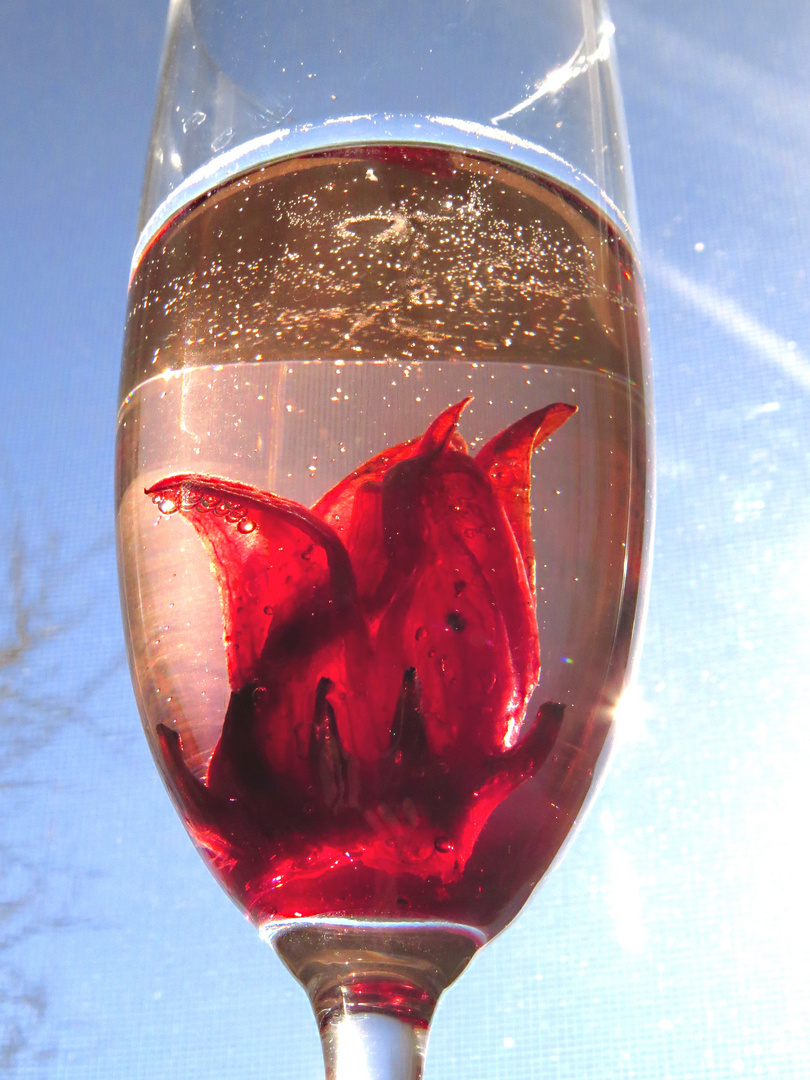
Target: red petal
[(353, 509), (507, 773), (507, 460), (438, 435), (354, 506), (464, 615), (291, 619), (335, 505), (270, 556)]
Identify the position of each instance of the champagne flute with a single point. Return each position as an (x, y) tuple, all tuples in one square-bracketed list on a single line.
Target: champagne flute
[(382, 448)]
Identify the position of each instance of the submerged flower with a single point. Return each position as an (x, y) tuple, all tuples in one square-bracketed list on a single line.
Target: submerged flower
[(382, 648)]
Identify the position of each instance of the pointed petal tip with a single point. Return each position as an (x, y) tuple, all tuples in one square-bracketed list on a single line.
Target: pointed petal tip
[(441, 429), (559, 412), (546, 421), (526, 434), (168, 736), (172, 483), (192, 480)]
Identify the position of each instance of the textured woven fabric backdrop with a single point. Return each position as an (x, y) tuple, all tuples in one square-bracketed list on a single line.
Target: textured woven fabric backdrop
[(672, 940)]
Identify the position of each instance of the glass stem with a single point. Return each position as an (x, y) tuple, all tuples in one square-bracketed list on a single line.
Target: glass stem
[(373, 988), (373, 1046)]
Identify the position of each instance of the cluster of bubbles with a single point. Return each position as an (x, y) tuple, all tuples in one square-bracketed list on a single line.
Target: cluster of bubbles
[(190, 500)]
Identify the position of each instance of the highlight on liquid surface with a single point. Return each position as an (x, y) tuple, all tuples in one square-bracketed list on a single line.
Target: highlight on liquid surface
[(283, 330)]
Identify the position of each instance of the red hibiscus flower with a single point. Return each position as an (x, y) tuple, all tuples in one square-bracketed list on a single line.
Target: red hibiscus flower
[(382, 648)]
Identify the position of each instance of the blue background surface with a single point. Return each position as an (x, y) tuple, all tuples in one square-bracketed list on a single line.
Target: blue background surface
[(672, 941)]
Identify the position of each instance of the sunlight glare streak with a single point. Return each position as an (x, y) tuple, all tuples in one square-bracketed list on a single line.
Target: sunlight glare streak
[(631, 715), (559, 77), (624, 898)]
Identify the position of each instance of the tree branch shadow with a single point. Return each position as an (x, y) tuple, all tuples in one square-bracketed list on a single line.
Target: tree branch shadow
[(37, 704)]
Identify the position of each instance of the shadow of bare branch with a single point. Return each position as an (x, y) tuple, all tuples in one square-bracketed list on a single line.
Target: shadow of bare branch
[(37, 703)]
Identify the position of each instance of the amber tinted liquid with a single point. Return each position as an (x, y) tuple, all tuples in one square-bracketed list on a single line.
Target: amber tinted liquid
[(302, 317)]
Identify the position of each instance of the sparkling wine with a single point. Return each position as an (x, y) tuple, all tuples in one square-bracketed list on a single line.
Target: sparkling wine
[(349, 564)]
